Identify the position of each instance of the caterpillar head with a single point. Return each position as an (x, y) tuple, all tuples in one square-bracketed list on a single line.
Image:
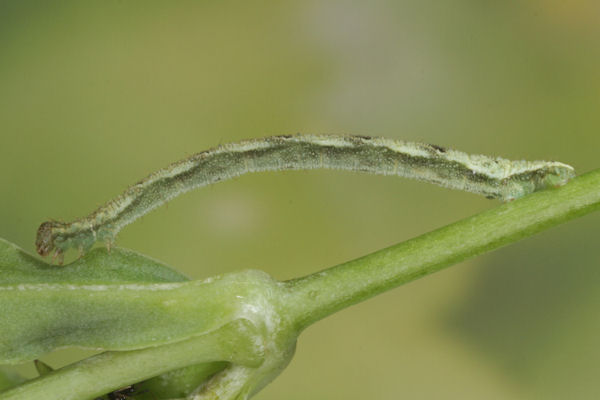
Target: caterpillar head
[(46, 234)]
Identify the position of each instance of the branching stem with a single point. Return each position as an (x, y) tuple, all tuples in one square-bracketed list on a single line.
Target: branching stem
[(304, 301)]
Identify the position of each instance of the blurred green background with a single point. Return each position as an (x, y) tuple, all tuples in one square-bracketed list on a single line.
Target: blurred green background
[(95, 95)]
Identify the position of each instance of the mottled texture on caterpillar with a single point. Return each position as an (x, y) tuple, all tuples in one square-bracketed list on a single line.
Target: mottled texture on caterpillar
[(488, 176)]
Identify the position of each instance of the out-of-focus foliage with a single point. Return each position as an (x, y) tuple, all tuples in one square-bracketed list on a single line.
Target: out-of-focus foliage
[(95, 96)]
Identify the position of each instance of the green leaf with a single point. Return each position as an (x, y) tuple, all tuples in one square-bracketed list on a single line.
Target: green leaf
[(110, 301), (38, 318), (19, 267)]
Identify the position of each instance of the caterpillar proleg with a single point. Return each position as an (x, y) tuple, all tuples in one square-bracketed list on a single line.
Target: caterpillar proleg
[(488, 176)]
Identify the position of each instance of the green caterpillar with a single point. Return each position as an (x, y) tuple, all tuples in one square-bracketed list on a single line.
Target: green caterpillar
[(488, 176)]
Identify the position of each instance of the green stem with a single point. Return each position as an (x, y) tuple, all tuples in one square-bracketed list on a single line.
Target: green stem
[(107, 371), (321, 294)]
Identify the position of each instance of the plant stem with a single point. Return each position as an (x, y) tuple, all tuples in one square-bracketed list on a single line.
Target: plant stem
[(107, 371), (318, 295)]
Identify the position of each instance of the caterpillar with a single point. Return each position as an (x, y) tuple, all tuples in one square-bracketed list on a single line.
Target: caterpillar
[(492, 177)]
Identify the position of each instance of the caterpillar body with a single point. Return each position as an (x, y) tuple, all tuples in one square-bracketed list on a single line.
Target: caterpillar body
[(492, 177)]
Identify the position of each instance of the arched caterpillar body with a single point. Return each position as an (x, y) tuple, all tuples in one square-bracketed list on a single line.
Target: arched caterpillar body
[(491, 177)]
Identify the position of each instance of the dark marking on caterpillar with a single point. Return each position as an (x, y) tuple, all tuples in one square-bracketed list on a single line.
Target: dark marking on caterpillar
[(438, 148)]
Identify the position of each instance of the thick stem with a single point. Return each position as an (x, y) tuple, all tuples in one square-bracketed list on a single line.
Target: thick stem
[(321, 294)]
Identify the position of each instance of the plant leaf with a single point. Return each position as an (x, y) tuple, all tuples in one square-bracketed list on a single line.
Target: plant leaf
[(120, 265), (113, 301)]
